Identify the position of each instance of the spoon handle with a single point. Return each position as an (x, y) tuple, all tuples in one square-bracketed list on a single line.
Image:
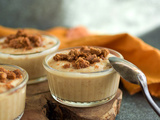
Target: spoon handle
[(148, 96)]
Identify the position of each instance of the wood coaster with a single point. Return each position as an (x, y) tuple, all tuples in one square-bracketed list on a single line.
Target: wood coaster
[(41, 106)]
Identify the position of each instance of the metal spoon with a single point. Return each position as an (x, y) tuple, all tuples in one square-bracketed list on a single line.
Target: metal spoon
[(133, 74)]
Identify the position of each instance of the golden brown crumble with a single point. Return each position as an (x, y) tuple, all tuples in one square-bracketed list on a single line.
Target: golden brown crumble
[(3, 77), (58, 57), (81, 63), (67, 65), (11, 75), (82, 58), (18, 73), (23, 40), (6, 75)]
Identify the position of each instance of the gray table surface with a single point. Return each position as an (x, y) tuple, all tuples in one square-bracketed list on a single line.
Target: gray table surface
[(135, 107)]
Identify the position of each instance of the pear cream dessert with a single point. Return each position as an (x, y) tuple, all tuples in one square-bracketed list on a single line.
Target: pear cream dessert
[(28, 52), (12, 93), (82, 76)]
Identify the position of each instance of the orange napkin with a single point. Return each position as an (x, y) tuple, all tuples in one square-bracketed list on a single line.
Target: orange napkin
[(132, 48), (5, 31)]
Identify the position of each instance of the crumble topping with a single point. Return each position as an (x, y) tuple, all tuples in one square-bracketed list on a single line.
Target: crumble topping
[(66, 66), (6, 75), (9, 79), (18, 73), (3, 76), (82, 58), (81, 63), (23, 40)]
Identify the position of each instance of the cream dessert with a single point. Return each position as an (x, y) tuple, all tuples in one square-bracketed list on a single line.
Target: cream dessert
[(12, 92), (28, 52), (82, 77)]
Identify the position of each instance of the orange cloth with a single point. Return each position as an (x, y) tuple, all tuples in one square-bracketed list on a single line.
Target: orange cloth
[(132, 48), (5, 31)]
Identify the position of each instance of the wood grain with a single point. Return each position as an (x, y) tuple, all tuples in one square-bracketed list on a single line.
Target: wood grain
[(41, 106)]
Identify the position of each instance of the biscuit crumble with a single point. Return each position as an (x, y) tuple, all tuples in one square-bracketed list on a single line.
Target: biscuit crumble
[(83, 57), (6, 75), (23, 40)]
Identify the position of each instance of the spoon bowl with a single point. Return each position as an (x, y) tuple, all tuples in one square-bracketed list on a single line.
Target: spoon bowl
[(133, 74)]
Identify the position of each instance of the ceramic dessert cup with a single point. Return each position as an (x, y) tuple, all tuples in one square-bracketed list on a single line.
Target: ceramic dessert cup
[(12, 101), (82, 89), (31, 62)]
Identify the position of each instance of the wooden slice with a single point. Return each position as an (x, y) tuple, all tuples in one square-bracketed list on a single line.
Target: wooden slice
[(41, 106)]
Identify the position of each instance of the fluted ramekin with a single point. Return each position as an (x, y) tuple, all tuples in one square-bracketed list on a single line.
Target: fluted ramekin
[(82, 89), (12, 101)]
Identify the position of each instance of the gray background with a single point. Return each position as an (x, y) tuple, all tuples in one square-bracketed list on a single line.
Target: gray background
[(137, 17), (105, 16)]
